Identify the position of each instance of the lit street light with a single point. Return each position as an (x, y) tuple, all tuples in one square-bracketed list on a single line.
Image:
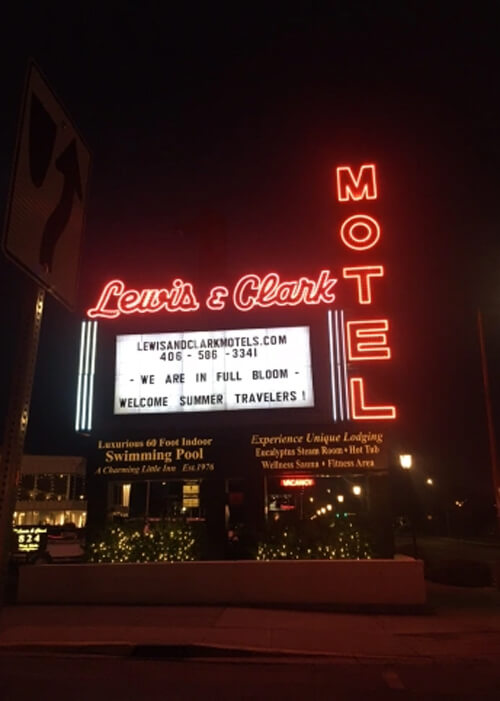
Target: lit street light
[(405, 461)]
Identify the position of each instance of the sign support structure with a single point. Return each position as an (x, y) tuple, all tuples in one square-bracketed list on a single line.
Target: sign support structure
[(495, 473), (17, 417), (42, 235)]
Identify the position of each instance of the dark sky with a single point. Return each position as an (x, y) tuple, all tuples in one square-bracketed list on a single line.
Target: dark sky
[(241, 115)]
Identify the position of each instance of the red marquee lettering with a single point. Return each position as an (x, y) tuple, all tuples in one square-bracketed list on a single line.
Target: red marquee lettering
[(360, 410), (367, 340), (112, 289), (128, 302), (251, 291), (216, 298), (116, 300), (363, 274), (360, 187), (360, 232), (297, 482)]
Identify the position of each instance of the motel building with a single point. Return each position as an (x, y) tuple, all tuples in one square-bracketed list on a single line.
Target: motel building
[(250, 418)]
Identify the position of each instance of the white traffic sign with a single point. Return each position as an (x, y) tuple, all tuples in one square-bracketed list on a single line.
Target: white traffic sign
[(46, 209)]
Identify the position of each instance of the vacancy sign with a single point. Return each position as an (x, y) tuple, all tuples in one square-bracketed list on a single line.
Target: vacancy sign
[(213, 371), (48, 194)]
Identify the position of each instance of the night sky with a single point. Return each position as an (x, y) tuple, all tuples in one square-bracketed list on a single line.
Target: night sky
[(214, 135)]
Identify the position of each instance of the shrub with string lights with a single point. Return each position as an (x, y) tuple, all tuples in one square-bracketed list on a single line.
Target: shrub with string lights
[(162, 542), (333, 539)]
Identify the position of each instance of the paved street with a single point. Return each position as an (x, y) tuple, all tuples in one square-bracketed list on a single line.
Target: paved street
[(182, 652), (441, 548), (51, 678)]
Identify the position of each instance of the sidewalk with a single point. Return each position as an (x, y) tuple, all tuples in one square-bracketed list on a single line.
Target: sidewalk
[(460, 623)]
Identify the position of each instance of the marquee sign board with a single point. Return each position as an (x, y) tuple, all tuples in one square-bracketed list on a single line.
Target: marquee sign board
[(211, 378), (213, 371), (295, 453)]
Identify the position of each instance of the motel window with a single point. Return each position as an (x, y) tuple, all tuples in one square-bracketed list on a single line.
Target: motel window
[(295, 499), (175, 500)]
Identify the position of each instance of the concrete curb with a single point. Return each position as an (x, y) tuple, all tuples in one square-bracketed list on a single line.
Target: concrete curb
[(226, 653)]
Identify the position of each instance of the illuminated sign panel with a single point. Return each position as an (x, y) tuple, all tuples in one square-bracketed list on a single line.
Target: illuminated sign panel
[(297, 482), (30, 538), (251, 291), (367, 339), (230, 370), (213, 371)]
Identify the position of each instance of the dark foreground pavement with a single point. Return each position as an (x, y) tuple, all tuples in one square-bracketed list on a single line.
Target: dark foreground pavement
[(459, 623), (54, 678), (451, 650)]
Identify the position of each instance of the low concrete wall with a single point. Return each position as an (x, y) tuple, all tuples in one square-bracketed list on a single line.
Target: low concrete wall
[(343, 582)]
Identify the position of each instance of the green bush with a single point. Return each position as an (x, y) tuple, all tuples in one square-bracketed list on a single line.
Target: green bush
[(161, 542), (339, 538)]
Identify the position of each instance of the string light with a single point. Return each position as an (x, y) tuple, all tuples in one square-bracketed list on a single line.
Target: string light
[(159, 544), (342, 540)]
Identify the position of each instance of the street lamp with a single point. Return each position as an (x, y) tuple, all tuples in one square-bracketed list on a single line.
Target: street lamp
[(356, 490), (429, 481), (406, 461)]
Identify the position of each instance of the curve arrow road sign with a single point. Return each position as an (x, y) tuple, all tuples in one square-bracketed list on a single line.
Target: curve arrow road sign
[(45, 216)]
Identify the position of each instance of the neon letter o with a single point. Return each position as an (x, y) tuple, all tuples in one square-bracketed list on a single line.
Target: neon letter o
[(360, 232)]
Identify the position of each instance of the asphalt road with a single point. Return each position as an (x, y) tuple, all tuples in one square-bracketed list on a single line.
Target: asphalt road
[(53, 677), (440, 548)]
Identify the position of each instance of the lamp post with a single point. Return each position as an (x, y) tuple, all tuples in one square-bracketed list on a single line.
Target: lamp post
[(495, 467), (406, 462)]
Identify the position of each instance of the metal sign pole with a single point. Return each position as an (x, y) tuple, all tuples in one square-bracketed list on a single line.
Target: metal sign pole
[(495, 471), (16, 422)]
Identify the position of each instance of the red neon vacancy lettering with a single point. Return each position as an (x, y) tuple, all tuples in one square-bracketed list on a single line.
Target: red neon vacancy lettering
[(297, 482), (367, 340), (363, 274), (360, 410), (362, 186), (360, 232)]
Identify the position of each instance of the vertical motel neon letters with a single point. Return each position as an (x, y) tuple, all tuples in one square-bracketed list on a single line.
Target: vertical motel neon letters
[(360, 187), (366, 338)]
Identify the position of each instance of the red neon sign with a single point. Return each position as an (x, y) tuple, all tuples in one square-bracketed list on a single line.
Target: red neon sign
[(297, 482), (364, 274), (360, 409), (250, 292), (360, 232), (360, 187), (367, 340), (115, 300)]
